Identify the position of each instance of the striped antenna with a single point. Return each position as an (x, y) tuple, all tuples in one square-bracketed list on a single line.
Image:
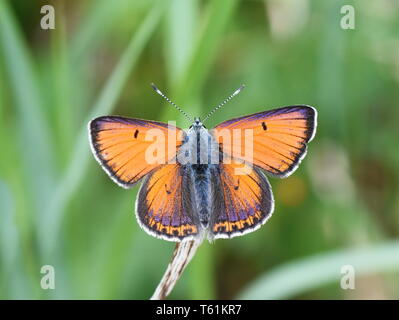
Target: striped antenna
[(224, 101), (171, 102)]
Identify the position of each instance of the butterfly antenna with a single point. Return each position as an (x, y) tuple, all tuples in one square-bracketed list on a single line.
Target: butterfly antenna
[(171, 102), (224, 102)]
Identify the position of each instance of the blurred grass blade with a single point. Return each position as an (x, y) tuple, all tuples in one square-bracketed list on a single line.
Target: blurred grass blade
[(99, 15), (62, 74), (95, 24), (299, 277), (106, 101), (13, 278), (220, 12), (115, 84), (180, 36), (38, 158), (8, 231)]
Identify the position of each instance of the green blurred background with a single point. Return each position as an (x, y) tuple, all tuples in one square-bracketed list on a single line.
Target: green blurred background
[(57, 206)]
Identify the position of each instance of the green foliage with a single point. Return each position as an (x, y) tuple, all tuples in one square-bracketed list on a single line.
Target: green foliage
[(57, 207)]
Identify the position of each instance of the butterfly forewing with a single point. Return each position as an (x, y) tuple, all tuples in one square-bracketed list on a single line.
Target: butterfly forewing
[(121, 145), (279, 136)]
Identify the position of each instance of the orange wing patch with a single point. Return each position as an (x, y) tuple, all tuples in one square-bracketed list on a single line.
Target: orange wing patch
[(279, 138), (245, 204), (163, 205), (121, 146)]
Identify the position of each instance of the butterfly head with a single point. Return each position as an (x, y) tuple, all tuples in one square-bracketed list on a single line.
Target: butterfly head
[(197, 124)]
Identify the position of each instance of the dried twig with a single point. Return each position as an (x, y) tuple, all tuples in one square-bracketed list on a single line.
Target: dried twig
[(182, 255)]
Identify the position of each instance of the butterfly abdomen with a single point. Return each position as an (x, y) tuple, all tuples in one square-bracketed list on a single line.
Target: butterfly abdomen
[(202, 191)]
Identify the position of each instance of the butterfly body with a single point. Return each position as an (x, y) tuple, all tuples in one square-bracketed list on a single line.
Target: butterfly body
[(200, 159), (210, 183)]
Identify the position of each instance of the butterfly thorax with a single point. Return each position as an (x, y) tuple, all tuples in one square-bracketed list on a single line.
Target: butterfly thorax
[(199, 146)]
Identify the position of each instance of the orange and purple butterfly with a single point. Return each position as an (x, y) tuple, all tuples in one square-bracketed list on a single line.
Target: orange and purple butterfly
[(195, 197)]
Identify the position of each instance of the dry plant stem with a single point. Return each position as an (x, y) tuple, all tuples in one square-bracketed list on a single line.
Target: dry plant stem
[(182, 255)]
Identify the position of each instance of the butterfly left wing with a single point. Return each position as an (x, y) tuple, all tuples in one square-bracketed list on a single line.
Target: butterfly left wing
[(164, 208), (244, 202), (279, 138), (120, 145)]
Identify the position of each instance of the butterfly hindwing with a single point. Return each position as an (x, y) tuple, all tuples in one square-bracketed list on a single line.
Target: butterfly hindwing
[(280, 138), (164, 207), (243, 202), (120, 145)]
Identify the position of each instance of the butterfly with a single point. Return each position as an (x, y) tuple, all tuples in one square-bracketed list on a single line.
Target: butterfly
[(199, 183)]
